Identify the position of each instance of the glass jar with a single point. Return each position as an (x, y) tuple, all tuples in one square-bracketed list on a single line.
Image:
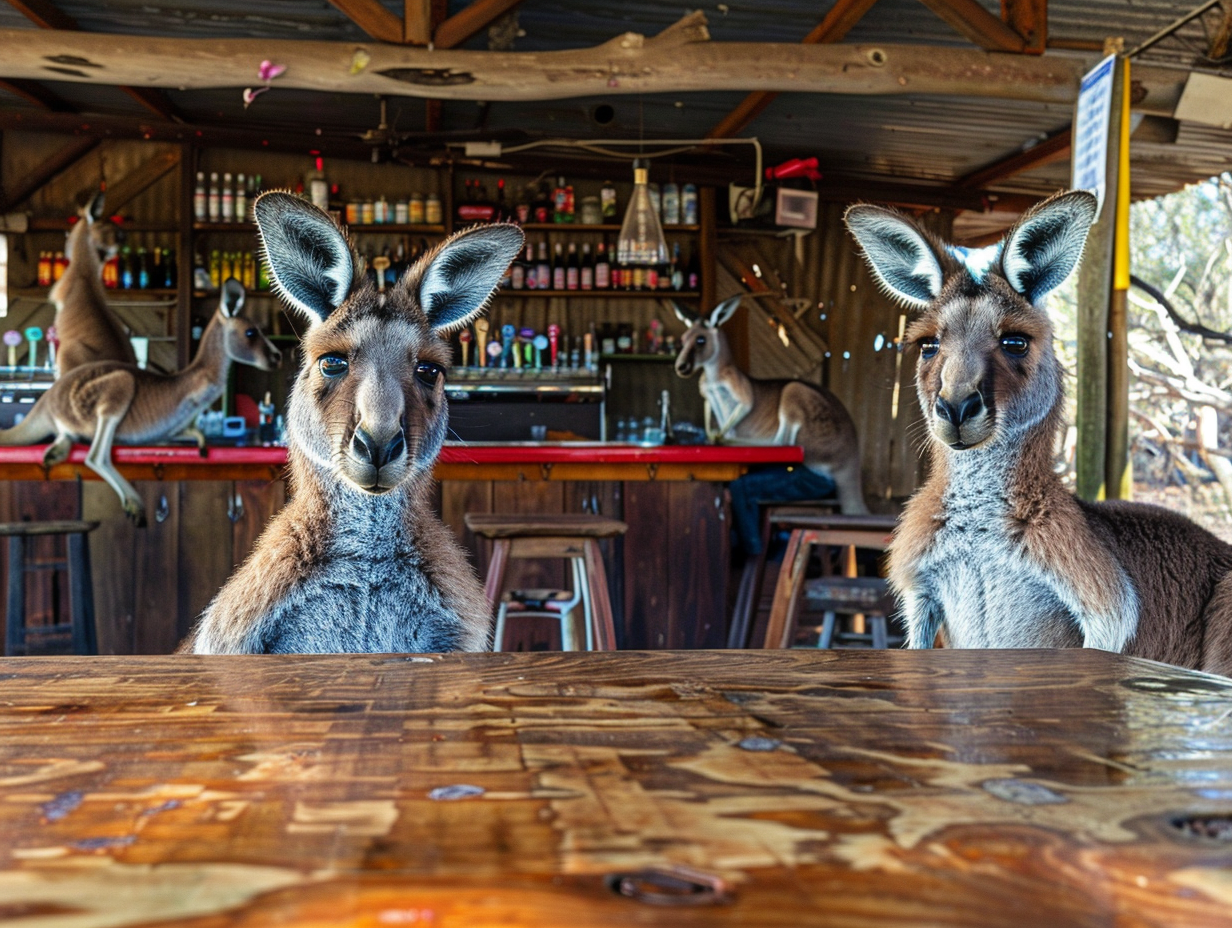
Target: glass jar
[(592, 211), (432, 210), (416, 209)]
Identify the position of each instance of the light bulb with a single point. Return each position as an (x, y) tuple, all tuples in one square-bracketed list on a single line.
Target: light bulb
[(641, 236)]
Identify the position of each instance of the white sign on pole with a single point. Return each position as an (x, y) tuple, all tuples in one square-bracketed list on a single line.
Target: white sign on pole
[(1090, 157)]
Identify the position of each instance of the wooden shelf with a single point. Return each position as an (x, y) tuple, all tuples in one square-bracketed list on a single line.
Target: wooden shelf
[(43, 293), (645, 358), (580, 227), (63, 225), (598, 294), (390, 228)]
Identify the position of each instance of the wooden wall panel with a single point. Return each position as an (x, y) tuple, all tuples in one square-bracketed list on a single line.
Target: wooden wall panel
[(698, 551), (113, 552), (155, 561), (204, 558)]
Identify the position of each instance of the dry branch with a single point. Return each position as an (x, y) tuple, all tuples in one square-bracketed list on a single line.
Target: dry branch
[(680, 59)]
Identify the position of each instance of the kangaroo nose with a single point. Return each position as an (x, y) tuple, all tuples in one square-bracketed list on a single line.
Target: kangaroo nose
[(969, 408), (370, 451)]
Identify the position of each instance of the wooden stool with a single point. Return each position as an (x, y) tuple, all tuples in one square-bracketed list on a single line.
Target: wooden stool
[(842, 531), (571, 537), (775, 516), (80, 586)]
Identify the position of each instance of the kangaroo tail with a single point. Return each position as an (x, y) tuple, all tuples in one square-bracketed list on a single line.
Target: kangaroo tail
[(36, 427)]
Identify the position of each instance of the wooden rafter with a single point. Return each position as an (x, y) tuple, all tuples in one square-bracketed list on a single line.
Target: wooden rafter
[(48, 170), (373, 18), (438, 11), (122, 192), (971, 20), (47, 15), (1054, 148), (1028, 18), (417, 22), (837, 23), (470, 21), (679, 60), (38, 94)]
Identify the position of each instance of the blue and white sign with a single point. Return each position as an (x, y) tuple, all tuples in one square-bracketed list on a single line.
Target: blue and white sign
[(1090, 158)]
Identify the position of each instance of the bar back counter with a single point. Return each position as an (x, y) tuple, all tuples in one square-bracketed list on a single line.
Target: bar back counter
[(668, 576)]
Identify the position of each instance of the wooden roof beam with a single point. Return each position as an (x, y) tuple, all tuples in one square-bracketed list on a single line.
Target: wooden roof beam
[(471, 21), (47, 171), (47, 15), (38, 94), (1055, 147), (373, 18), (1029, 18), (971, 20), (834, 28), (122, 192)]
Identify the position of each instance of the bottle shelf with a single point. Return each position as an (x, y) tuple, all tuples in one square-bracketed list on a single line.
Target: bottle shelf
[(580, 227), (63, 225), (382, 227), (117, 295), (599, 294), (657, 358)]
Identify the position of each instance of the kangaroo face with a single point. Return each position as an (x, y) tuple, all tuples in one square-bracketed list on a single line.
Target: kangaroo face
[(697, 346), (368, 408), (986, 366), (987, 370), (94, 231)]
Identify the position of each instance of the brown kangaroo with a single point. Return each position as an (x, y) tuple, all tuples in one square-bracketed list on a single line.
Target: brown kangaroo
[(770, 412), (357, 561), (107, 401), (87, 328), (992, 551)]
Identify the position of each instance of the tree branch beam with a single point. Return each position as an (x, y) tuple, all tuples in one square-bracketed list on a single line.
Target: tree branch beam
[(417, 22), (1054, 148), (373, 18), (834, 28), (471, 21), (680, 60), (50, 169), (972, 21), (1028, 18)]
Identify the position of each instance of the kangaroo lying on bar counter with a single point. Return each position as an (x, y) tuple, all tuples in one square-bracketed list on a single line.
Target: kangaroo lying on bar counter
[(992, 551), (770, 412), (357, 561), (86, 327), (108, 401)]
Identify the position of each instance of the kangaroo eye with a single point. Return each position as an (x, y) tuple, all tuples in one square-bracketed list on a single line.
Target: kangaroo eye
[(333, 365), (428, 373), (929, 346), (252, 333), (1015, 345), (701, 340)]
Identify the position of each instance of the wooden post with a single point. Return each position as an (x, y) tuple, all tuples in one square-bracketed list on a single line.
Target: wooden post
[(1095, 286), (1118, 476)]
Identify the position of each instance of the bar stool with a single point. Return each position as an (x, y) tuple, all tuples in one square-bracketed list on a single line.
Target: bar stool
[(775, 516), (80, 586), (569, 536), (850, 532)]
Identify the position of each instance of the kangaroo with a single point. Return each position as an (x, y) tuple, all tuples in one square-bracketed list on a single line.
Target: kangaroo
[(770, 412), (107, 401), (992, 551), (357, 561), (87, 328)]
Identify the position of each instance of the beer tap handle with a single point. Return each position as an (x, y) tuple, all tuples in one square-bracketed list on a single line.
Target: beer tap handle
[(554, 341)]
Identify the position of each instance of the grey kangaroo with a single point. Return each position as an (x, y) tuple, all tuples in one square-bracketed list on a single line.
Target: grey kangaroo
[(357, 561)]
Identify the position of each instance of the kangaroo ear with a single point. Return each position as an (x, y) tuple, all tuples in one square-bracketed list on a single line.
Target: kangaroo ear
[(899, 254), (94, 210), (1046, 245), (308, 256), (464, 272), (232, 299), (683, 314), (723, 311)]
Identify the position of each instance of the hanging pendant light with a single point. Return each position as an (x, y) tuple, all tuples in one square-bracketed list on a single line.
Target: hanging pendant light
[(641, 237)]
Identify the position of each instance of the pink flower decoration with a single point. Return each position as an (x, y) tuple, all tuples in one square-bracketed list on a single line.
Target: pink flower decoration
[(250, 95), (268, 70)]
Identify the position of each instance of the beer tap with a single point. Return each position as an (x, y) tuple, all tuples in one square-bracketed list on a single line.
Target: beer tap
[(507, 332), (540, 343), (526, 338), (481, 339), (465, 338), (554, 341)]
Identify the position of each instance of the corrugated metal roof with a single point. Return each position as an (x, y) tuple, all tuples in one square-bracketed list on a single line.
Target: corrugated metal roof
[(930, 140)]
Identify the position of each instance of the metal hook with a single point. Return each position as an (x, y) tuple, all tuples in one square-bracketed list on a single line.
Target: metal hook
[(163, 509), (235, 507)]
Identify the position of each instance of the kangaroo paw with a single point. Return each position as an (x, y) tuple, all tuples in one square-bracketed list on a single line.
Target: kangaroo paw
[(135, 512)]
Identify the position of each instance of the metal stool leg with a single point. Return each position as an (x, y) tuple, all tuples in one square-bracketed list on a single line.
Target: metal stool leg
[(880, 635), (498, 639), (827, 630), (600, 603), (15, 613), (81, 595)]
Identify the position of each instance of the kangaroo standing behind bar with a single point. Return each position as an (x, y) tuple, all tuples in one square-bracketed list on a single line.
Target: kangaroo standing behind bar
[(992, 551), (357, 561), (108, 402), (86, 327), (770, 412)]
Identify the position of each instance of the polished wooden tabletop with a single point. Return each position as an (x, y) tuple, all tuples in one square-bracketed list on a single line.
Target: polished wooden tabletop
[(792, 788)]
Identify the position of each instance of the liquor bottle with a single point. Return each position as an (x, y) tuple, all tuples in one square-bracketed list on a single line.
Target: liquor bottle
[(241, 199), (249, 278), (154, 274), (111, 272), (199, 198), (531, 278), (212, 201), (227, 205), (688, 204), (225, 270), (677, 268), (572, 277), (128, 278), (44, 269), (587, 275), (652, 278), (541, 209), (558, 201), (318, 188), (543, 270), (558, 268), (607, 199), (517, 274), (665, 276), (671, 204), (501, 212), (216, 277), (603, 269), (693, 273), (170, 269)]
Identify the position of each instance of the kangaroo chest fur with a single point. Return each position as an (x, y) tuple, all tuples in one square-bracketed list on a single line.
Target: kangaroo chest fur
[(990, 591), (370, 593)]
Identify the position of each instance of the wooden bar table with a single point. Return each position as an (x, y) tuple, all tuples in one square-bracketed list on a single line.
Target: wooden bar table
[(957, 788)]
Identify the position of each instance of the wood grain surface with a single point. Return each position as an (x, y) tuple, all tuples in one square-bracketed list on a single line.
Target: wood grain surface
[(957, 788)]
